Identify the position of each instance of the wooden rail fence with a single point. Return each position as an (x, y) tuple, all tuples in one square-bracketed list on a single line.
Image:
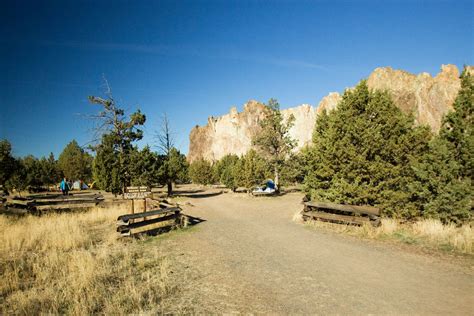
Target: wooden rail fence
[(39, 203), (151, 222), (341, 214)]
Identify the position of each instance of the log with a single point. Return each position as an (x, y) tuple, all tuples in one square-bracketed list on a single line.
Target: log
[(130, 226), (65, 206), (166, 205), (67, 201), (127, 217), (366, 210), (337, 218)]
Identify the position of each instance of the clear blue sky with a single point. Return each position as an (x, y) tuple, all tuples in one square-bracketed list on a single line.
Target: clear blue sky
[(194, 59)]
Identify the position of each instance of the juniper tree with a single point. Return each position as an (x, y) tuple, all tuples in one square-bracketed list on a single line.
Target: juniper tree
[(362, 150), (117, 134), (225, 170), (50, 172), (200, 172), (273, 139), (144, 167), (7, 161), (251, 170), (75, 163), (443, 176)]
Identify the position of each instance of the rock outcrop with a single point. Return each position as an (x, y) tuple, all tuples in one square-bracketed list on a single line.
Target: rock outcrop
[(428, 98)]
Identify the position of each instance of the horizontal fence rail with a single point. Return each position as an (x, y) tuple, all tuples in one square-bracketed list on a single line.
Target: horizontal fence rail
[(341, 213), (152, 221), (53, 202)]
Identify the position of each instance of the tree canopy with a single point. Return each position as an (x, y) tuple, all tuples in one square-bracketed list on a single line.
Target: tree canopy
[(361, 152), (118, 133), (443, 175), (75, 163)]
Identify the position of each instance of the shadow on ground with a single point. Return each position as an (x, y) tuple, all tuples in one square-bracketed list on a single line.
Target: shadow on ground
[(191, 221), (198, 195)]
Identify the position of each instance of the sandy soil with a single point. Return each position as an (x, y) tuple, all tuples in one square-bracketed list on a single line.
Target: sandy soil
[(248, 256)]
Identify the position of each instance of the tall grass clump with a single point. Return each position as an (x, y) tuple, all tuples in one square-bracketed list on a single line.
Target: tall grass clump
[(75, 264)]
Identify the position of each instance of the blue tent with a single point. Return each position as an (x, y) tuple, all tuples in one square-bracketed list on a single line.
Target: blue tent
[(270, 184)]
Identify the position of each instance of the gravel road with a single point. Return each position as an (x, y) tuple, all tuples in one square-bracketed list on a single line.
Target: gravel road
[(248, 256)]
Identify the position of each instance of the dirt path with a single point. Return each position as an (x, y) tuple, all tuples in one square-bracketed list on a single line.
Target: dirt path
[(249, 256)]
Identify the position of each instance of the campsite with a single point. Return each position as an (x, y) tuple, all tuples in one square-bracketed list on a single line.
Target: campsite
[(208, 157)]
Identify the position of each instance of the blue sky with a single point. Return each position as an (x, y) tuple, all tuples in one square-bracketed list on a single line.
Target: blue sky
[(194, 59)]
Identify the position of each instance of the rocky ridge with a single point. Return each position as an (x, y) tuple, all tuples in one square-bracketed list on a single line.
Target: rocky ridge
[(428, 98)]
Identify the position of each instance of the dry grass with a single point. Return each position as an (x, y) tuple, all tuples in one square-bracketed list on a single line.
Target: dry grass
[(427, 233), (75, 264)]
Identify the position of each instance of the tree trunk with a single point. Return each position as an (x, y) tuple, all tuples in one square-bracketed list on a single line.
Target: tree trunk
[(170, 187), (277, 180)]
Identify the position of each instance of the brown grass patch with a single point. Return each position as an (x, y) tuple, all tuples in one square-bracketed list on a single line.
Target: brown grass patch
[(428, 233), (76, 264)]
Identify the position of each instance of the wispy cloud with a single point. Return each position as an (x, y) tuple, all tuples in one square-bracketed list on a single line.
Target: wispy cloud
[(186, 51)]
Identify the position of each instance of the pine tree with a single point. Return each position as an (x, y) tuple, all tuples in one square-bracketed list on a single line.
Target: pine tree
[(361, 152), (274, 141)]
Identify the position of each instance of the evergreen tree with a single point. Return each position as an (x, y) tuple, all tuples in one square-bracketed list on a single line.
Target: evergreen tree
[(144, 167), (226, 171), (443, 176), (50, 172), (75, 163), (33, 171), (200, 172), (106, 166), (174, 168), (274, 140), (251, 170), (118, 135), (294, 169), (362, 150), (7, 162)]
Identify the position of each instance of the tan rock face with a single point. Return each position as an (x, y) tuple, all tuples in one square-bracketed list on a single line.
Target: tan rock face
[(427, 97)]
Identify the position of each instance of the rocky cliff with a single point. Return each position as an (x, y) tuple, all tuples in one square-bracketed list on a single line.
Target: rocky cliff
[(427, 97)]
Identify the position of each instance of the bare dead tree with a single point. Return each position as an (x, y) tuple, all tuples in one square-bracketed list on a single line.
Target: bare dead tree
[(165, 143)]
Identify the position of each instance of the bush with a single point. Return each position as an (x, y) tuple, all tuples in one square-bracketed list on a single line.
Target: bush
[(225, 170), (200, 172), (251, 170)]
